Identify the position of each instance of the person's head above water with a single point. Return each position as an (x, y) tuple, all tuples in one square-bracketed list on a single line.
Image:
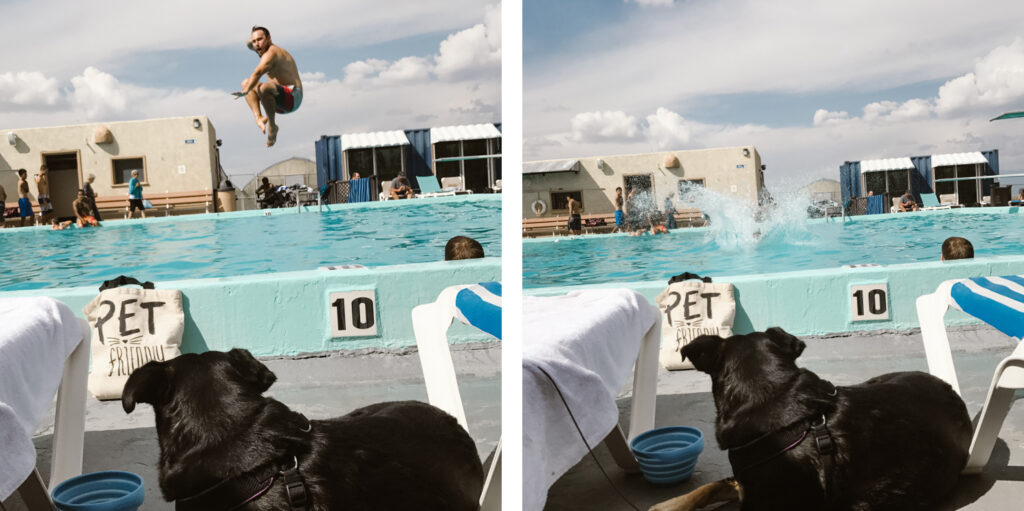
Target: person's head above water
[(956, 247), (259, 40), (462, 247)]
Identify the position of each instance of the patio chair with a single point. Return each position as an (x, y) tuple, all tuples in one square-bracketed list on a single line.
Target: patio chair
[(999, 302), (497, 186), (478, 305), (930, 202), (454, 184), (429, 187), (948, 198), (46, 341)]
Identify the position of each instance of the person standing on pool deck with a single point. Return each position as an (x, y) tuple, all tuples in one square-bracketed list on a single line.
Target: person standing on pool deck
[(575, 220), (135, 196), (90, 196), (281, 94), (24, 204), (620, 217), (43, 185)]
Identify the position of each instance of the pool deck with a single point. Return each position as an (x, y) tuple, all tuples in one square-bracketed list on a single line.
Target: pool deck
[(684, 398), (320, 387)]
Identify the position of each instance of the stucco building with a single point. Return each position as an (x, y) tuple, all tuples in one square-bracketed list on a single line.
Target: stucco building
[(176, 154), (729, 171)]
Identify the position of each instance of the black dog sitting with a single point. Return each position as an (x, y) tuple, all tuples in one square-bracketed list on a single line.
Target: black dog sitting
[(225, 446), (895, 442)]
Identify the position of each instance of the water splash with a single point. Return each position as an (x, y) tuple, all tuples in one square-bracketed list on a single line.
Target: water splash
[(737, 223)]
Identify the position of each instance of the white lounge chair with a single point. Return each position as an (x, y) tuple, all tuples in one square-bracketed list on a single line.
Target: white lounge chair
[(930, 202), (429, 188), (998, 301), (478, 305), (589, 342), (43, 334)]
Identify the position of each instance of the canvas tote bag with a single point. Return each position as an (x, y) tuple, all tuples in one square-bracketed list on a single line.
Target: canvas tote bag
[(130, 327), (692, 306)]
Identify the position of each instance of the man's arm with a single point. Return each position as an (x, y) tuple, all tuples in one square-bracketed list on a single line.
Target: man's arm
[(266, 61)]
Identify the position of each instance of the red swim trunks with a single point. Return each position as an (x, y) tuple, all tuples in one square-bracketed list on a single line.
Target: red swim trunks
[(288, 99)]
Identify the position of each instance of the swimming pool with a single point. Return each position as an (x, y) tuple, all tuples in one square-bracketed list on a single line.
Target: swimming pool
[(247, 243), (772, 247)]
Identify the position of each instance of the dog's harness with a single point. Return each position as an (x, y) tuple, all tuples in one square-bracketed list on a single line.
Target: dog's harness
[(236, 492), (776, 443)]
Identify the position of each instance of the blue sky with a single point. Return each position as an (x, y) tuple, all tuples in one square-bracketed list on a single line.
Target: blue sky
[(366, 66), (810, 85)]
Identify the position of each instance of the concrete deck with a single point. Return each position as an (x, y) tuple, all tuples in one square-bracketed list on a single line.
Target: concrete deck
[(319, 387), (684, 398)]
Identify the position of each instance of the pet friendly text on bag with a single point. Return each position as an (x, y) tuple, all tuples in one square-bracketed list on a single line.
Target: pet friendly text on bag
[(126, 350)]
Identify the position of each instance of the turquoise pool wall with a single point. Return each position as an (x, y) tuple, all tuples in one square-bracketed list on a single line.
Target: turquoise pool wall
[(288, 313), (818, 302)]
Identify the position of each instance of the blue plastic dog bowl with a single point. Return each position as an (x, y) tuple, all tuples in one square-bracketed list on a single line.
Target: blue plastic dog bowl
[(668, 455), (110, 490)]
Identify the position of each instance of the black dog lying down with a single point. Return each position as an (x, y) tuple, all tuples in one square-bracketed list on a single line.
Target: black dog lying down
[(895, 442), (222, 443)]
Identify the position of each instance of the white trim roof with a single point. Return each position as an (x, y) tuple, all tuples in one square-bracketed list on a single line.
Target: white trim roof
[(464, 132), (373, 139), (886, 164), (540, 167), (942, 160)]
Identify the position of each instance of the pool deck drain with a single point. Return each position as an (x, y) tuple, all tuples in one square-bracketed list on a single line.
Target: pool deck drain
[(684, 398), (319, 387)]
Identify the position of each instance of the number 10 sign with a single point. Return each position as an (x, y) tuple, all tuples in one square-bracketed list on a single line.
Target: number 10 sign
[(353, 313), (870, 302)]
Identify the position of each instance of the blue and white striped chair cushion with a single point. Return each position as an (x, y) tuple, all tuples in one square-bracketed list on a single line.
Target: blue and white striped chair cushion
[(479, 305), (998, 301)]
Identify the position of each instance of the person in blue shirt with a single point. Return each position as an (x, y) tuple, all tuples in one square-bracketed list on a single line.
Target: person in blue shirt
[(135, 196)]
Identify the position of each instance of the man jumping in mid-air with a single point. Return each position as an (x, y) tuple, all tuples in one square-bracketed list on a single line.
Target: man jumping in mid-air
[(281, 94)]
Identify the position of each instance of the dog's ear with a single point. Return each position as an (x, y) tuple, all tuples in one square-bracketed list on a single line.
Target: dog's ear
[(145, 385), (254, 372), (705, 352), (789, 343)]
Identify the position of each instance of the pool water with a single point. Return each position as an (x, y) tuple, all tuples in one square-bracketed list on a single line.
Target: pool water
[(767, 248), (410, 232)]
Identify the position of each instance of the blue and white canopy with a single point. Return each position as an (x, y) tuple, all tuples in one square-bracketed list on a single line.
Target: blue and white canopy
[(998, 301), (479, 305)]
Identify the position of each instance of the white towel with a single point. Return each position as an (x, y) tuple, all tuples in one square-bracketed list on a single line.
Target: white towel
[(36, 337), (588, 342)]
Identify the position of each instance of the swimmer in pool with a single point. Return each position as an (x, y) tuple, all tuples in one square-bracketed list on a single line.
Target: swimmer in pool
[(281, 93)]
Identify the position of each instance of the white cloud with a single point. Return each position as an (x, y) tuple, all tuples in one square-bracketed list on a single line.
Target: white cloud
[(98, 94), (316, 76), (30, 89), (823, 117), (997, 79), (473, 53), (596, 126), (667, 129), (658, 3)]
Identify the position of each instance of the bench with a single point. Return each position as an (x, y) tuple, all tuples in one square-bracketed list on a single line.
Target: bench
[(195, 200), (556, 225)]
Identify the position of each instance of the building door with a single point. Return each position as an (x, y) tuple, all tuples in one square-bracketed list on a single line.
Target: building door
[(64, 182)]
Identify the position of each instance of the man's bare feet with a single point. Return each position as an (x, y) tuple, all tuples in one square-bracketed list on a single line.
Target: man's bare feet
[(272, 135), (262, 123)]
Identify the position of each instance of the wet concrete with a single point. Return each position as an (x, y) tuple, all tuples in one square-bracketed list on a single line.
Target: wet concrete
[(319, 387), (684, 398)]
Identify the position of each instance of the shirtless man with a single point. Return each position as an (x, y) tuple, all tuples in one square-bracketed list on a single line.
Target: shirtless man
[(281, 94), (83, 211), (575, 223), (24, 203), (43, 185)]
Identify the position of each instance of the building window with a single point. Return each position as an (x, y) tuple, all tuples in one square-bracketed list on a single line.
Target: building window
[(967, 191), (687, 187), (560, 200), (893, 182), (477, 162), (123, 168), (383, 162)]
